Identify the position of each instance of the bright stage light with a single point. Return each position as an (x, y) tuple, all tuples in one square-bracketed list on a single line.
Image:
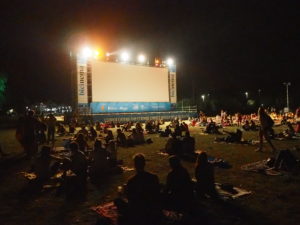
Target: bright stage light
[(86, 52), (170, 62), (125, 56), (141, 58)]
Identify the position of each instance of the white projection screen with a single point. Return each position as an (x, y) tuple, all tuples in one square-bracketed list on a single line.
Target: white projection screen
[(117, 82)]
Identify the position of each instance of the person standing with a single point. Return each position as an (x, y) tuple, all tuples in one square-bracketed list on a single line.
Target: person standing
[(28, 125), (266, 124), (51, 122)]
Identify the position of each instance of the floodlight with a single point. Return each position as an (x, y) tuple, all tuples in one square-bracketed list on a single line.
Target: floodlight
[(170, 62), (141, 58), (125, 56), (86, 52)]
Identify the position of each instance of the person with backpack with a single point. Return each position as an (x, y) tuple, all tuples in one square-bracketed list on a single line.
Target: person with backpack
[(266, 124)]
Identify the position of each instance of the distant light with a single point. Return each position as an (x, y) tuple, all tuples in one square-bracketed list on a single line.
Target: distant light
[(203, 97), (170, 62), (107, 54), (246, 93), (141, 58), (96, 54), (156, 62), (125, 56), (86, 52)]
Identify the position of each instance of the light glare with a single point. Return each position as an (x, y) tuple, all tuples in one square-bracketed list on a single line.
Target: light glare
[(170, 62), (125, 56), (86, 52), (141, 58)]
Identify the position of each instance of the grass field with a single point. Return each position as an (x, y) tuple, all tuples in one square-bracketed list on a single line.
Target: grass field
[(274, 199)]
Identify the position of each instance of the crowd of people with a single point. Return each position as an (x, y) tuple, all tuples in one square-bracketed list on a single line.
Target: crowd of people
[(144, 197)]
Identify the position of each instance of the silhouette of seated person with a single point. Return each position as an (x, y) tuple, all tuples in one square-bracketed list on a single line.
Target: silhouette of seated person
[(82, 143), (92, 133), (184, 127), (178, 130), (111, 148), (121, 138), (75, 174), (212, 128), (285, 160), (290, 132), (83, 131), (204, 174), (109, 136), (44, 166), (140, 137), (71, 128), (233, 137), (173, 145), (139, 128), (99, 166), (98, 126), (78, 163), (143, 194), (133, 138), (179, 188), (246, 126), (253, 126), (61, 129), (149, 127), (166, 132), (188, 144)]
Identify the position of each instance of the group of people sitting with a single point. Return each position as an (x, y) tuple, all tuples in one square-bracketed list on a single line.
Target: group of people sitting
[(77, 166), (212, 128), (180, 146), (144, 197)]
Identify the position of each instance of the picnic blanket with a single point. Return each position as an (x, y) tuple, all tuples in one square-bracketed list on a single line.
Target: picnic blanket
[(260, 167), (109, 214), (234, 193)]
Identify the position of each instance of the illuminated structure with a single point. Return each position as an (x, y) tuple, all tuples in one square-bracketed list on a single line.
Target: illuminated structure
[(121, 85)]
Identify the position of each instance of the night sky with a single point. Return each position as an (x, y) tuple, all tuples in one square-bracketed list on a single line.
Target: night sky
[(223, 47)]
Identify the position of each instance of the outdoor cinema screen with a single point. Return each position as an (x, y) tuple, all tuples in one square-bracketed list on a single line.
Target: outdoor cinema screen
[(118, 82)]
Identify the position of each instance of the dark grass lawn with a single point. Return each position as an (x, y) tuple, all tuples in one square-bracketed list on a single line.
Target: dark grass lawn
[(275, 199)]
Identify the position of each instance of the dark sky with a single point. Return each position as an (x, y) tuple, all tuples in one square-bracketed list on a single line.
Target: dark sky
[(220, 46)]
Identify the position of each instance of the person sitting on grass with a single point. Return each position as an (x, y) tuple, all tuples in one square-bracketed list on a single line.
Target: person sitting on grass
[(139, 128), (61, 129), (233, 137), (212, 128), (173, 145), (71, 128), (204, 174), (253, 126), (166, 132), (179, 189), (92, 133), (99, 161), (140, 136), (188, 144), (82, 143), (44, 166), (178, 131), (133, 138), (84, 131), (246, 126), (121, 138), (111, 148), (143, 194), (109, 136)]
